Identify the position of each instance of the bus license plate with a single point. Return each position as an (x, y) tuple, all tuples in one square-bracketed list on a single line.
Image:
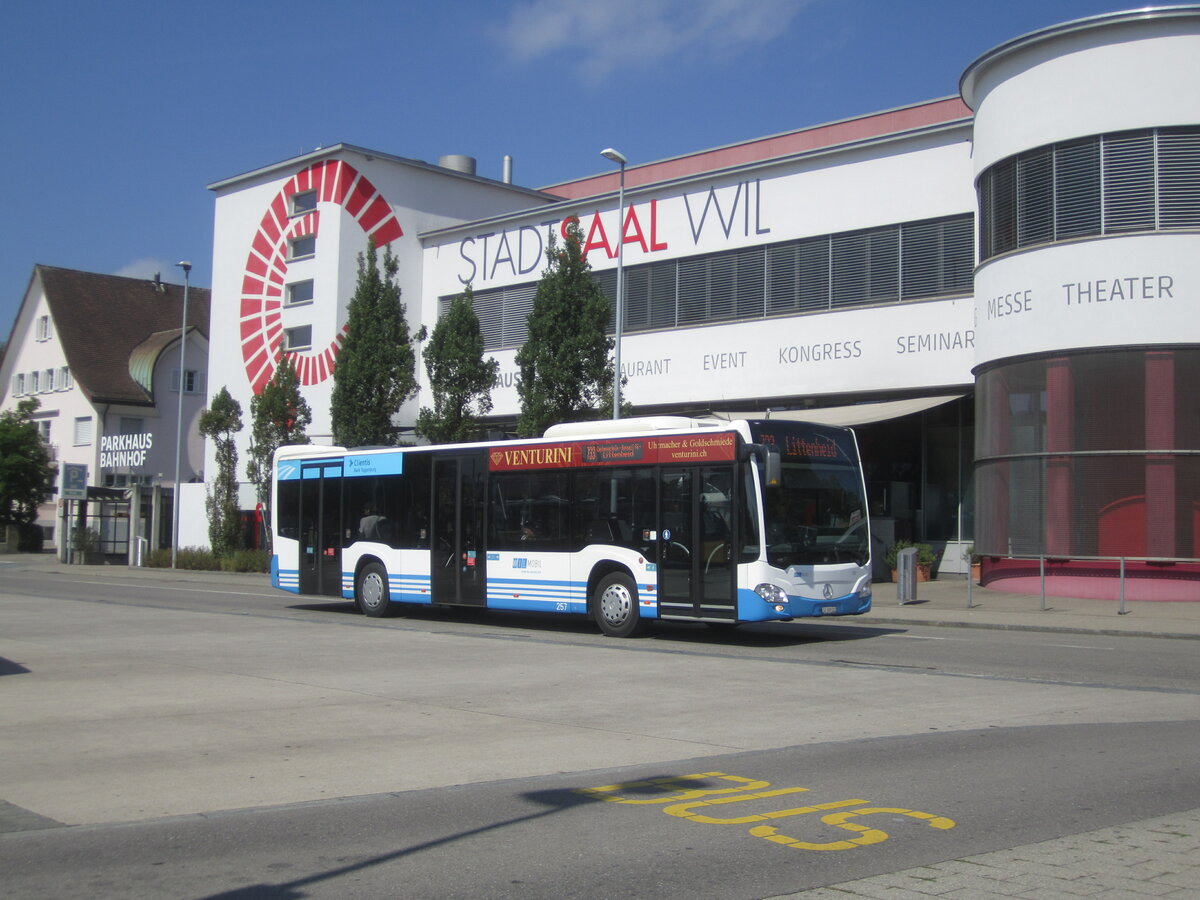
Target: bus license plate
[(829, 610)]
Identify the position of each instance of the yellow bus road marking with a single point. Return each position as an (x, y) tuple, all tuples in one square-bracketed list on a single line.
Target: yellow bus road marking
[(683, 800)]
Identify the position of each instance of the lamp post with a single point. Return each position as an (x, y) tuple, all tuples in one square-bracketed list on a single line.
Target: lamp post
[(187, 268), (619, 158)]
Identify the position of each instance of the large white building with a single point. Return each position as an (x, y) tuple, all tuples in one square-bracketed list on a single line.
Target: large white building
[(998, 289)]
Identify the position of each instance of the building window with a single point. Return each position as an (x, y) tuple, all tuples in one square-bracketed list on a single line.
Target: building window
[(300, 292), (304, 246), (18, 385), (304, 202), (299, 338), (43, 328), (83, 431), (896, 263), (64, 379), (1129, 181), (193, 381), (48, 381), (34, 382), (1089, 453), (43, 427)]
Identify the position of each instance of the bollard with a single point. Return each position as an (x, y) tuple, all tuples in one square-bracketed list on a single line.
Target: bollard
[(906, 575), (1042, 569), (1122, 611)]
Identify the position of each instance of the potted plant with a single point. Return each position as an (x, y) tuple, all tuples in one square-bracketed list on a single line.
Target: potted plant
[(925, 558)]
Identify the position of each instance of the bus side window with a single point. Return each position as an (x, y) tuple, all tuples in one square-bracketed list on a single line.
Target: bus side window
[(289, 509)]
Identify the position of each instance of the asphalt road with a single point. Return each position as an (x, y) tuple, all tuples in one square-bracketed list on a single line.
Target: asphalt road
[(214, 738)]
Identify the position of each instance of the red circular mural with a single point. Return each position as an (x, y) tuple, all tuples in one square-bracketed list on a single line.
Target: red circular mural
[(265, 278)]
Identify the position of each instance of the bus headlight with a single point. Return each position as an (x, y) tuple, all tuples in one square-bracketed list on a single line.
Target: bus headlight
[(772, 594)]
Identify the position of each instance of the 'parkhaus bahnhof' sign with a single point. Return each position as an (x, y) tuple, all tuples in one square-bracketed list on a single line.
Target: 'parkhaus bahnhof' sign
[(125, 451)]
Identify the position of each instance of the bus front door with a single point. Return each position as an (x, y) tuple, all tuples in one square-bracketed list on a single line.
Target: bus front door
[(458, 569), (320, 528), (696, 570)]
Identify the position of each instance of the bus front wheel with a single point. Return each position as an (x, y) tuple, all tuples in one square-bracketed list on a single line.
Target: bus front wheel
[(371, 590), (615, 606)]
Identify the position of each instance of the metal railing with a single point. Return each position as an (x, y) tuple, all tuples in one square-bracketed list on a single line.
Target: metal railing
[(1120, 560)]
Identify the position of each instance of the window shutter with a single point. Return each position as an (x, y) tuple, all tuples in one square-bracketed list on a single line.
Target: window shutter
[(1077, 185), (1129, 182), (1179, 177)]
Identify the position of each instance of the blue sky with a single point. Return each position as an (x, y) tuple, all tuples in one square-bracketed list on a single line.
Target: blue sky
[(116, 115)]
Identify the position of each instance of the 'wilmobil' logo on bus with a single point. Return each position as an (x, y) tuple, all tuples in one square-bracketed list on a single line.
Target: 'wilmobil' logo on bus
[(533, 457)]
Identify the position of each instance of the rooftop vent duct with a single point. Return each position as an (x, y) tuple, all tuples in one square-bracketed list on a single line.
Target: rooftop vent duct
[(458, 163), (506, 177)]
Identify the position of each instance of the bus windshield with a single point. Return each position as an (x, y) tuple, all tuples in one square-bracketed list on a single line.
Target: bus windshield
[(816, 516), (818, 513)]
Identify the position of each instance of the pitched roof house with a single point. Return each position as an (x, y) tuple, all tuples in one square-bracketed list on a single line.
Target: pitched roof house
[(101, 354)]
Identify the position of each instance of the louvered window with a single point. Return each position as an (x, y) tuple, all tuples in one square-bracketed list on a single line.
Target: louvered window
[(865, 266), (936, 257), (1129, 182), (1109, 184), (1035, 197), (1077, 195), (1179, 177), (911, 261)]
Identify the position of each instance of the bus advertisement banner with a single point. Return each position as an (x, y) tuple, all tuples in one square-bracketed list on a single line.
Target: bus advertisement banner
[(678, 449)]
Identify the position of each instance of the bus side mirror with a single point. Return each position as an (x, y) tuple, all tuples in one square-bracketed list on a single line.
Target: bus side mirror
[(769, 461)]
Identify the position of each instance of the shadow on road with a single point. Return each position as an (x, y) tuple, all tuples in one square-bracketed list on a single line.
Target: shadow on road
[(554, 801), (773, 634)]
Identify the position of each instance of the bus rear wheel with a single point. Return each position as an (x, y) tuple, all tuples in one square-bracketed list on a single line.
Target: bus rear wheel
[(615, 606), (371, 590)]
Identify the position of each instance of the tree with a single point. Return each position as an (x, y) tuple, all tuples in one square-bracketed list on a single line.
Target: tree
[(460, 379), (565, 368), (375, 371), (220, 422), (279, 415), (24, 465)]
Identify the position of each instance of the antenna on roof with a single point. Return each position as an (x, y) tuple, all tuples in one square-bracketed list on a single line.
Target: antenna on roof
[(158, 285)]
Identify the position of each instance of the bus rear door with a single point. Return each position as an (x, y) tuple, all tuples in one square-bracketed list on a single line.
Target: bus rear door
[(458, 569)]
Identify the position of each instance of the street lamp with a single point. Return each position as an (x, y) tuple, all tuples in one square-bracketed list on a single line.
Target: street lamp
[(187, 268), (619, 158)]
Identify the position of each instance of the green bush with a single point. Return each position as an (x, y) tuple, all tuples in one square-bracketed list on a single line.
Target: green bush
[(925, 554), (246, 561), (195, 558), (205, 560)]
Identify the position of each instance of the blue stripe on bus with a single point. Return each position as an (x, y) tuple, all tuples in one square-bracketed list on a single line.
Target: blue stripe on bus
[(548, 595), (284, 579), (401, 588)]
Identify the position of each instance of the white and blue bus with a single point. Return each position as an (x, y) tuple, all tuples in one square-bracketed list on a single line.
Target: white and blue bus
[(668, 518)]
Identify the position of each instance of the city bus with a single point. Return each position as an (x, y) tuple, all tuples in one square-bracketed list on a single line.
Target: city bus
[(625, 521)]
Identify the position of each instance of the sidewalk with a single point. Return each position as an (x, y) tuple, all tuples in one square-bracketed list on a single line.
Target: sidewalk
[(944, 602), (939, 602), (1155, 857)]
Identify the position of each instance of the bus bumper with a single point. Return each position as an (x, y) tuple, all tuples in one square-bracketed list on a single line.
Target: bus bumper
[(752, 607)]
